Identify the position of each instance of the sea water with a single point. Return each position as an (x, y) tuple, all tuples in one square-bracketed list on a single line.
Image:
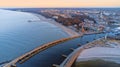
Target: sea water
[(18, 35)]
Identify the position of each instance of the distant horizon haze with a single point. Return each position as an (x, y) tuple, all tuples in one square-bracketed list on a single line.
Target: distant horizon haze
[(59, 3)]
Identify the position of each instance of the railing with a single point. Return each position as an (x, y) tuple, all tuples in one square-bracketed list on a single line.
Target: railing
[(35, 51)]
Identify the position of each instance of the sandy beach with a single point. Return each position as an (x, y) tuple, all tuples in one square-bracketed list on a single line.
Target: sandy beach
[(67, 30)]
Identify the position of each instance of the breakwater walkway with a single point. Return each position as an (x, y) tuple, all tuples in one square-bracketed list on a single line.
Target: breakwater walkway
[(52, 53)]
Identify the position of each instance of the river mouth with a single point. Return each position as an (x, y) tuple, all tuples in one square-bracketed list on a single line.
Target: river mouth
[(96, 63)]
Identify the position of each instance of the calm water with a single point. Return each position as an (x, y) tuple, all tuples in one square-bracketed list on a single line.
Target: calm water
[(18, 36), (54, 54)]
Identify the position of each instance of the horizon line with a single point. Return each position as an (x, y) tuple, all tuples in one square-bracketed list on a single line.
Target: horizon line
[(60, 7)]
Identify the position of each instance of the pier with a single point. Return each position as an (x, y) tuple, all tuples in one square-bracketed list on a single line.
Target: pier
[(56, 49), (35, 51), (73, 56)]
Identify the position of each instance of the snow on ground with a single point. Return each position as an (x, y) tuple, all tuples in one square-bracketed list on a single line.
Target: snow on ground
[(97, 52)]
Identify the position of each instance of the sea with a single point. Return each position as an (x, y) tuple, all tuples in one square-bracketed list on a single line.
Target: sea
[(18, 35)]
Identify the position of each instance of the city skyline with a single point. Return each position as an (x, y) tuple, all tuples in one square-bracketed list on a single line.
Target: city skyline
[(60, 3)]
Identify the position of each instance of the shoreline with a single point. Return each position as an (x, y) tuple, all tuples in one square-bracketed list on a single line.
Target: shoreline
[(65, 29)]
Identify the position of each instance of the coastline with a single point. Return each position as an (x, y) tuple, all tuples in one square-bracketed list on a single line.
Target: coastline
[(67, 30)]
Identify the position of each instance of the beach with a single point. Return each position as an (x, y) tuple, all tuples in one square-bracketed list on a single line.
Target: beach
[(67, 30)]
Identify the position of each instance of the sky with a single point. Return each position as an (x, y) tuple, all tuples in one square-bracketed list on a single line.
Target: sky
[(59, 3)]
